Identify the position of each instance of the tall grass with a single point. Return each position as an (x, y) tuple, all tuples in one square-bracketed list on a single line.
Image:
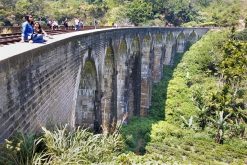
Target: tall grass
[(20, 149), (62, 147), (78, 147)]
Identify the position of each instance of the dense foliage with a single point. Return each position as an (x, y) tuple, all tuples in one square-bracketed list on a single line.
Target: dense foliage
[(137, 133), (205, 109), (128, 12), (242, 35)]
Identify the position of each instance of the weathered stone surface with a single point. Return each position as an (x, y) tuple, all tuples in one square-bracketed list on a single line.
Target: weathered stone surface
[(83, 78)]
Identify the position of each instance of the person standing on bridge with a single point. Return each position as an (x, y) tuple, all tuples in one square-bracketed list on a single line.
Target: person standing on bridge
[(81, 24), (77, 24), (66, 24), (95, 23), (27, 29)]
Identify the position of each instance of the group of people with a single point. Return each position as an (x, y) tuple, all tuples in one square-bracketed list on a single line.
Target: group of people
[(32, 31), (52, 24), (78, 24)]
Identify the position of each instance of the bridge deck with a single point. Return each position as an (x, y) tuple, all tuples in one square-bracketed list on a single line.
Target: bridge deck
[(7, 51)]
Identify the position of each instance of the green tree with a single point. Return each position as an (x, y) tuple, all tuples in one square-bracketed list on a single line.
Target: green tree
[(232, 73), (220, 123), (139, 12), (23, 7)]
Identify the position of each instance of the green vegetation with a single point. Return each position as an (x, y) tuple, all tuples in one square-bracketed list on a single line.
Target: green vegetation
[(18, 150), (62, 146), (205, 115), (242, 35), (139, 11), (129, 12), (137, 133)]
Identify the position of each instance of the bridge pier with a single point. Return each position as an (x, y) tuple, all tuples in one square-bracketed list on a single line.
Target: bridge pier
[(109, 89), (146, 78), (158, 53), (122, 73), (134, 78)]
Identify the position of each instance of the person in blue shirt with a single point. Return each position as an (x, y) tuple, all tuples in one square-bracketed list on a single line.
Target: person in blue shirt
[(27, 29)]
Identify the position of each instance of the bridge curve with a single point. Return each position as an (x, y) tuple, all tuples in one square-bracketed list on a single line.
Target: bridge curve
[(85, 77)]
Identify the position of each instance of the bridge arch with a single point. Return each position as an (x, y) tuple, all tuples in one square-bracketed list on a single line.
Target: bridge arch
[(193, 37), (169, 48), (170, 37), (87, 104), (180, 42)]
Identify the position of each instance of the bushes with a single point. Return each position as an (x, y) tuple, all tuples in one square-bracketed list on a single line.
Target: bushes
[(242, 35), (193, 150), (20, 149), (185, 91), (189, 92), (136, 134), (164, 130), (191, 70)]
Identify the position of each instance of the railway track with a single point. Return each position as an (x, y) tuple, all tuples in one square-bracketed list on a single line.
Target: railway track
[(6, 39)]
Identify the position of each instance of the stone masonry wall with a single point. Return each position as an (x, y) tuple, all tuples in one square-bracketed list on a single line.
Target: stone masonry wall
[(37, 88), (40, 86)]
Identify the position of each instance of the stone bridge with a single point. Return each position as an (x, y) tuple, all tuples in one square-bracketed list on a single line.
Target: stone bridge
[(82, 78)]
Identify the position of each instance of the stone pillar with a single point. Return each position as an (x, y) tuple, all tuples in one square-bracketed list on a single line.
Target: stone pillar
[(122, 69), (168, 53), (158, 67), (146, 78), (134, 92), (108, 100)]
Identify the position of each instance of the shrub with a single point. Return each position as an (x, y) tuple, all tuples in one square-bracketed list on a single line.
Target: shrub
[(78, 146), (20, 149), (137, 132), (163, 130), (242, 35), (177, 144), (62, 146)]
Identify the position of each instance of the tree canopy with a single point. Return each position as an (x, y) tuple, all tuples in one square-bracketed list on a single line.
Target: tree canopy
[(127, 12)]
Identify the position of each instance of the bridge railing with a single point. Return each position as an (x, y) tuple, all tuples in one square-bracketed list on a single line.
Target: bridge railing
[(13, 34), (17, 29)]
